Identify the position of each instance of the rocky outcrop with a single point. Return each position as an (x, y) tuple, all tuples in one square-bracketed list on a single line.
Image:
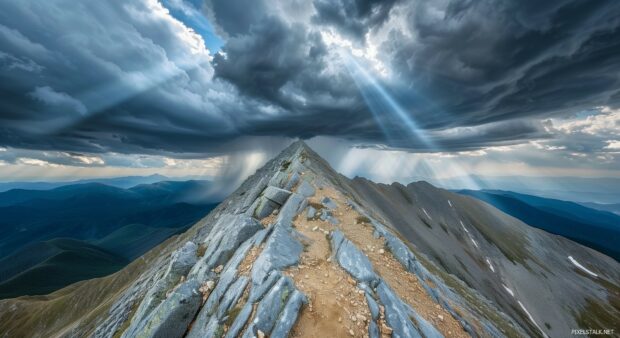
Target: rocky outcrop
[(243, 270)]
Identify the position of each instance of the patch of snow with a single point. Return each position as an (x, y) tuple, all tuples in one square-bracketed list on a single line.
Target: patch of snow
[(463, 226), (531, 318), (450, 203), (473, 241), (581, 267), (508, 290), (490, 265), (426, 213)]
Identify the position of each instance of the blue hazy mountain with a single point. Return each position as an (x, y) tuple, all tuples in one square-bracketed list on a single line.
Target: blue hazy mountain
[(119, 182), (611, 207), (47, 231), (599, 230), (605, 190), (43, 267)]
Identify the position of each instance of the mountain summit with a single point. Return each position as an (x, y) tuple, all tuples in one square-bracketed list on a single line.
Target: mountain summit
[(299, 250)]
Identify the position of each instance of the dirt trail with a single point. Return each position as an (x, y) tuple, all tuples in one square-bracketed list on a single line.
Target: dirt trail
[(405, 284), (337, 308)]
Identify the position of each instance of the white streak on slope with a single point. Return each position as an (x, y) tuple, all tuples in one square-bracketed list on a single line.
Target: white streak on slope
[(508, 290), (426, 213), (530, 317), (583, 268), (490, 265)]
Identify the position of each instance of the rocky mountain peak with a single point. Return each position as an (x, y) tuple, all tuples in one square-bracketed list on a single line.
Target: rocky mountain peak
[(299, 250)]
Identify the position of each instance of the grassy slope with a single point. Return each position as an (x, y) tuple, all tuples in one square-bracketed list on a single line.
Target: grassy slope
[(70, 261), (52, 315)]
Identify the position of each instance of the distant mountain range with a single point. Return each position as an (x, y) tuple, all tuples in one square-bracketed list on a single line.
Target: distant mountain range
[(599, 230), (613, 207), (604, 190), (119, 182), (56, 232)]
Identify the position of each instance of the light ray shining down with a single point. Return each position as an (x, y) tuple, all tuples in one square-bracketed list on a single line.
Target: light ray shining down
[(384, 106), (377, 97)]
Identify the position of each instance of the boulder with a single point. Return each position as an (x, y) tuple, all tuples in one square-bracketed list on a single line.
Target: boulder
[(372, 306), (223, 241), (173, 316), (306, 189), (276, 195), (232, 295), (329, 203), (352, 259), (265, 207), (373, 330), (289, 315), (242, 317), (396, 315), (258, 290), (183, 259), (281, 251), (269, 309), (295, 204), (310, 213), (292, 181)]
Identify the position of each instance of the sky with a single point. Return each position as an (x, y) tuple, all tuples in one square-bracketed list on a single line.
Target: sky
[(391, 90)]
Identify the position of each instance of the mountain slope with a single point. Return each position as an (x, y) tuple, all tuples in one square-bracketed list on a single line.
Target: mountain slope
[(61, 262), (92, 211), (593, 228), (122, 222), (119, 182), (301, 250)]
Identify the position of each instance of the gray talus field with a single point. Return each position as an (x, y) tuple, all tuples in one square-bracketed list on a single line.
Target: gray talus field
[(299, 250)]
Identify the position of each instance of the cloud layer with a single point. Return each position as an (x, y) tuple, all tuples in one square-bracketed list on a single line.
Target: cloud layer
[(427, 76)]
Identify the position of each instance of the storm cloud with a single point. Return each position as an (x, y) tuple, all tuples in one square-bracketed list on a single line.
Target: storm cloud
[(99, 77)]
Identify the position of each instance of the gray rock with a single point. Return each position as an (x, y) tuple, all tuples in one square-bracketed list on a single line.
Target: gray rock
[(183, 259), (289, 315), (234, 292), (259, 237), (269, 309), (281, 251), (295, 204), (276, 194), (373, 330), (352, 259), (258, 290), (333, 220), (278, 179), (172, 317), (427, 329), (372, 306), (253, 194), (227, 234), (329, 203), (396, 315), (325, 214), (214, 329), (306, 189), (311, 212), (226, 279), (265, 207), (240, 320), (292, 181)]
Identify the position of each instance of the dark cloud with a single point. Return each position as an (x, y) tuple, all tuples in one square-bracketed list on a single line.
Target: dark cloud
[(353, 17), (484, 61), (128, 78)]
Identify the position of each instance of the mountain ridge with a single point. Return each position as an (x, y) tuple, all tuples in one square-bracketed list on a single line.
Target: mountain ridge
[(596, 229), (300, 243)]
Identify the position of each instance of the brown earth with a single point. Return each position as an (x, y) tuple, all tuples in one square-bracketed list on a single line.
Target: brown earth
[(405, 284)]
